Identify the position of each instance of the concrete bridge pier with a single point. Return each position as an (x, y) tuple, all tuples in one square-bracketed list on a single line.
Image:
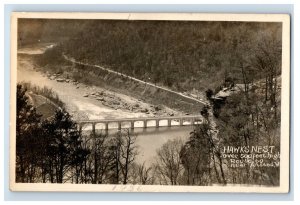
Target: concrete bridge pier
[(119, 125), (145, 123), (192, 121), (156, 123), (94, 129), (181, 122), (80, 127), (169, 122), (132, 125), (106, 127)]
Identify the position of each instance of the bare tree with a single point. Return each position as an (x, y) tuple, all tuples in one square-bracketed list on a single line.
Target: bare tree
[(123, 152), (128, 153), (102, 159), (168, 164), (142, 174)]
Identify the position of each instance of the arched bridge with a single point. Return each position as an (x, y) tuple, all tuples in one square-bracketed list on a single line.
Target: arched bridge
[(180, 121)]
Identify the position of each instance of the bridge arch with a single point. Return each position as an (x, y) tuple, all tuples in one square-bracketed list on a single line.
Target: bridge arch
[(139, 122), (152, 123)]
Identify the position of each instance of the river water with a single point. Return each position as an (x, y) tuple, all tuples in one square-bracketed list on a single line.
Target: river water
[(151, 138), (148, 140)]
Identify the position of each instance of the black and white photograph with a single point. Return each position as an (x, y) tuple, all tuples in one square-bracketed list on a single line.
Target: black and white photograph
[(148, 102)]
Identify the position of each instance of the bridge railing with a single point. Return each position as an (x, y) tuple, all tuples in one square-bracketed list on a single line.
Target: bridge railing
[(197, 119)]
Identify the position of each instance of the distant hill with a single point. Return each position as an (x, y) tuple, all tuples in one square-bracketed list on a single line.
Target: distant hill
[(182, 55)]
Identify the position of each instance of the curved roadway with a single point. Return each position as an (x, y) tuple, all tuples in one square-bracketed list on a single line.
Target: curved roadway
[(135, 79)]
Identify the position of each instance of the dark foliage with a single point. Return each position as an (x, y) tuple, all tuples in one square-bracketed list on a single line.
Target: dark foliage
[(178, 54), (55, 150)]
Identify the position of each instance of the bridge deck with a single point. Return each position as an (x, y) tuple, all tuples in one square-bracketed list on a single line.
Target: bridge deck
[(143, 119), (193, 119)]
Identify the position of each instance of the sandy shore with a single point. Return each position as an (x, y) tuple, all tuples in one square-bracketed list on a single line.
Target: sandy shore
[(90, 102)]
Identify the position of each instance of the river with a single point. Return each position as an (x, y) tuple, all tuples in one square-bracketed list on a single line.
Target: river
[(148, 140)]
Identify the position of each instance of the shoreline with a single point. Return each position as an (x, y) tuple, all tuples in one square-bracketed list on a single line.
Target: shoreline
[(89, 102), (80, 107)]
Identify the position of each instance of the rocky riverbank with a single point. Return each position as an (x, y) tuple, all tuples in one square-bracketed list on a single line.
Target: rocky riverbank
[(115, 101)]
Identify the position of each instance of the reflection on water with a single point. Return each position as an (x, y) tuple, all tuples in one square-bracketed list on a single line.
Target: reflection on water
[(150, 139), (138, 125)]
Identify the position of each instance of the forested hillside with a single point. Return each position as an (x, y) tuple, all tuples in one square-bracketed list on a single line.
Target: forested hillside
[(33, 31), (181, 55), (176, 54)]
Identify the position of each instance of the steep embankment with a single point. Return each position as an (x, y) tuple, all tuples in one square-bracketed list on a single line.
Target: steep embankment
[(43, 105), (128, 85), (86, 101)]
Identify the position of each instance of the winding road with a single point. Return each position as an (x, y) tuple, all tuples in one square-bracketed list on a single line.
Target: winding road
[(135, 79), (211, 118)]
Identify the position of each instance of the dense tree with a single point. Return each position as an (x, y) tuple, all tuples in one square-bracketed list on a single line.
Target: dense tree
[(46, 150), (27, 130)]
